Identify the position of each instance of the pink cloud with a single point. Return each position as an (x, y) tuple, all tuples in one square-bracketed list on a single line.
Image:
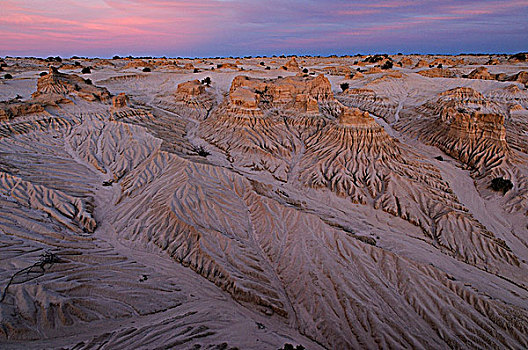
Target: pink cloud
[(356, 12), (223, 25)]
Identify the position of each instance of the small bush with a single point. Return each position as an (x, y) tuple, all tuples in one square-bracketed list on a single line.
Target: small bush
[(54, 59), (116, 57), (206, 81), (88, 81), (344, 86), (440, 66), (86, 70), (262, 63), (500, 184), (440, 158), (267, 68), (289, 346), (196, 70), (202, 152), (76, 63), (305, 70), (146, 69), (387, 65), (43, 74), (8, 76)]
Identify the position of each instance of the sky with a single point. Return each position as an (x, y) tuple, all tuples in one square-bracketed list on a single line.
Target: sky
[(209, 28)]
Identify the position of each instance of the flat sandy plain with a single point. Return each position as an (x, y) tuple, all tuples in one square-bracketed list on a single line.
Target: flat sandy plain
[(333, 203)]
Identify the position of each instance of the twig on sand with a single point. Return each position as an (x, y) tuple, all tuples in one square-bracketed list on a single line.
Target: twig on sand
[(47, 259)]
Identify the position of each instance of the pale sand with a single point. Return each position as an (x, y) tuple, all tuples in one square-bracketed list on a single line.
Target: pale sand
[(308, 223)]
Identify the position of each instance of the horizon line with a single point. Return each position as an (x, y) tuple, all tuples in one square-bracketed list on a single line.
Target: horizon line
[(117, 56)]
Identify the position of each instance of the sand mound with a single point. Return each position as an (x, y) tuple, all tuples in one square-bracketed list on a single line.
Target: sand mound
[(480, 73), (120, 100), (138, 64), (292, 65), (406, 62), (465, 125), (368, 100), (437, 73), (68, 84)]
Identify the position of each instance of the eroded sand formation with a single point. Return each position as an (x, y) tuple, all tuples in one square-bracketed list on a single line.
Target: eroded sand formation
[(198, 206)]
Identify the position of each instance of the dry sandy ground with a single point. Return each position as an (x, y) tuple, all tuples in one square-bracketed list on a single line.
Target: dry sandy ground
[(316, 216)]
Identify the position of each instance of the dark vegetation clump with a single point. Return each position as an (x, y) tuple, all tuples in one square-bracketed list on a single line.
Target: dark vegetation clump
[(88, 81), (54, 59), (267, 68), (501, 184), (521, 56), (262, 63), (206, 81), (387, 65), (440, 66), (288, 346), (440, 158), (146, 69), (116, 57), (8, 76), (202, 152), (305, 70), (76, 63), (43, 74), (344, 86), (86, 70), (196, 70), (376, 58)]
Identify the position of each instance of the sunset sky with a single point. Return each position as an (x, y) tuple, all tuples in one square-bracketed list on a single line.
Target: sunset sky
[(105, 28)]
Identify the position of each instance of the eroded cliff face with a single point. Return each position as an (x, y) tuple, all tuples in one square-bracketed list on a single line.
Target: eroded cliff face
[(251, 211), (65, 84), (465, 125)]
